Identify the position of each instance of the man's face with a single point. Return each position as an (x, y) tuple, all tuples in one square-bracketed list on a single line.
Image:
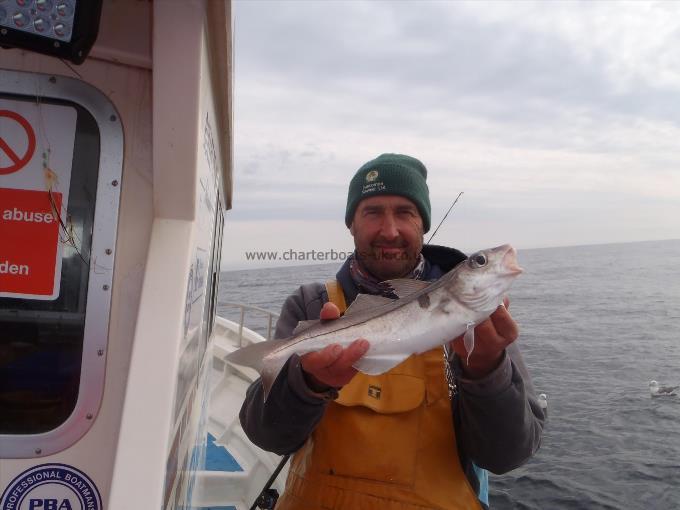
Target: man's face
[(388, 235)]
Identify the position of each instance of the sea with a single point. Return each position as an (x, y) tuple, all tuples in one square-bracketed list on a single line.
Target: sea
[(597, 324)]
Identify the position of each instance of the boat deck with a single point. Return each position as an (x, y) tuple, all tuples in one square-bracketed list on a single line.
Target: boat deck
[(236, 470)]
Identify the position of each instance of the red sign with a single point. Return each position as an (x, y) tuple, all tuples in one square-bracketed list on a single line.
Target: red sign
[(29, 240), (18, 162)]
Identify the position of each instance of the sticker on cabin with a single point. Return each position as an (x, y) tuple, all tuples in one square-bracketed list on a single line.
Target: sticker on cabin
[(51, 487), (36, 155)]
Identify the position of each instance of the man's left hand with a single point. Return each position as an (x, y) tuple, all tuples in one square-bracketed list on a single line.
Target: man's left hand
[(491, 338)]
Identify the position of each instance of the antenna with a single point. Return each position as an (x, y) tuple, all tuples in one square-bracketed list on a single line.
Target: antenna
[(447, 213)]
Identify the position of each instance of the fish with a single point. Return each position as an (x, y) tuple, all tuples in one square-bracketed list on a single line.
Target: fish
[(425, 315)]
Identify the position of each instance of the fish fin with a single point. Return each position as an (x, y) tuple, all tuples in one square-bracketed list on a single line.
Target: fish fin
[(376, 365), (261, 357), (303, 325), (404, 287), (365, 302), (270, 371), (469, 340)]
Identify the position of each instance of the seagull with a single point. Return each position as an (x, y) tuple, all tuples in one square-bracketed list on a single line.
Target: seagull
[(660, 391), (543, 401)]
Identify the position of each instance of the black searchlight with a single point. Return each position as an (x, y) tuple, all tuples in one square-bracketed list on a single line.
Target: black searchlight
[(63, 28)]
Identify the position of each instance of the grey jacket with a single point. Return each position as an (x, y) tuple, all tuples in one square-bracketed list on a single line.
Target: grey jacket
[(498, 420)]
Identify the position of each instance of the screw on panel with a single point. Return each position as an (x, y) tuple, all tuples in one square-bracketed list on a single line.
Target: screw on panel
[(56, 44), (114, 183), (113, 118), (3, 31), (38, 451), (88, 416), (100, 352), (108, 251), (105, 287), (52, 79)]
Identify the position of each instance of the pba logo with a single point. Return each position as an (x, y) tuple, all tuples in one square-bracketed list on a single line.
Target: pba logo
[(51, 487)]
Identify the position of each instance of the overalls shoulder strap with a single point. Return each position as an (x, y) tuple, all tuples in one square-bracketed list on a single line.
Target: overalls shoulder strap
[(336, 295)]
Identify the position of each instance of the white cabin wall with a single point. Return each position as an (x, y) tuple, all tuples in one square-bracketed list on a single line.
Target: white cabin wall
[(184, 93), (162, 96), (129, 89)]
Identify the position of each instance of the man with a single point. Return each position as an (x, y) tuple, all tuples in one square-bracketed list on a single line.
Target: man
[(394, 441)]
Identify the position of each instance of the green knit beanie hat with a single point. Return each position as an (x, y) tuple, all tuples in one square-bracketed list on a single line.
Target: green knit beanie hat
[(390, 174)]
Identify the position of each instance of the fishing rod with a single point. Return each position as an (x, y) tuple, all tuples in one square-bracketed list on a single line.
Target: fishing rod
[(267, 498), (447, 213)]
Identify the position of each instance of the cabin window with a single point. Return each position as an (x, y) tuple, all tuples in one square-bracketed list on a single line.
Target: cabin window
[(41, 345), (54, 282)]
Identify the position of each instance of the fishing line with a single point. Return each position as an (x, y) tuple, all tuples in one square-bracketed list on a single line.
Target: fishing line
[(447, 213), (67, 234), (71, 68)]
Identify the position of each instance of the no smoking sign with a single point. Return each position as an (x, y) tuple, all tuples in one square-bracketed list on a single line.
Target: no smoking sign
[(23, 133)]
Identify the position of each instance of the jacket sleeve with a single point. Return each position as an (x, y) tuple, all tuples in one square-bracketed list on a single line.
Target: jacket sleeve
[(292, 411), (499, 422)]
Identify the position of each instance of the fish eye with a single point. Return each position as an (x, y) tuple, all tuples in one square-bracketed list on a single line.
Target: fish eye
[(478, 260)]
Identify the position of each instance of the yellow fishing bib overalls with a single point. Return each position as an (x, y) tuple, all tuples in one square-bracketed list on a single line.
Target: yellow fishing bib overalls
[(387, 442)]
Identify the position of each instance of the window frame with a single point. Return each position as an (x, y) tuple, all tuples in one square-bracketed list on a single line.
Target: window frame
[(102, 256)]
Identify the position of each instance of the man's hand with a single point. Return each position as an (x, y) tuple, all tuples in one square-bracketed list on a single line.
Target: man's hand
[(332, 366), (491, 338), (329, 311)]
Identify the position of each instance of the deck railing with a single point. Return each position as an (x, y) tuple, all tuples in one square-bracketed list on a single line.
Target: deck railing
[(271, 316)]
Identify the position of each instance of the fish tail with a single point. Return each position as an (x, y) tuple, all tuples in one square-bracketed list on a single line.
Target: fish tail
[(260, 356)]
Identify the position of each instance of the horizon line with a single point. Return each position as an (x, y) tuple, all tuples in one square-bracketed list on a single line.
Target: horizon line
[(234, 269)]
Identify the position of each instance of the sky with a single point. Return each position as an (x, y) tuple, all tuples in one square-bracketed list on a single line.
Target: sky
[(559, 121)]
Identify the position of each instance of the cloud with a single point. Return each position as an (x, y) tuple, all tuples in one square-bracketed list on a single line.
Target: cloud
[(467, 56), (524, 106)]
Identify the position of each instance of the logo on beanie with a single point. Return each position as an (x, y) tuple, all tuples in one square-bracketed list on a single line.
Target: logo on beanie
[(371, 176)]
